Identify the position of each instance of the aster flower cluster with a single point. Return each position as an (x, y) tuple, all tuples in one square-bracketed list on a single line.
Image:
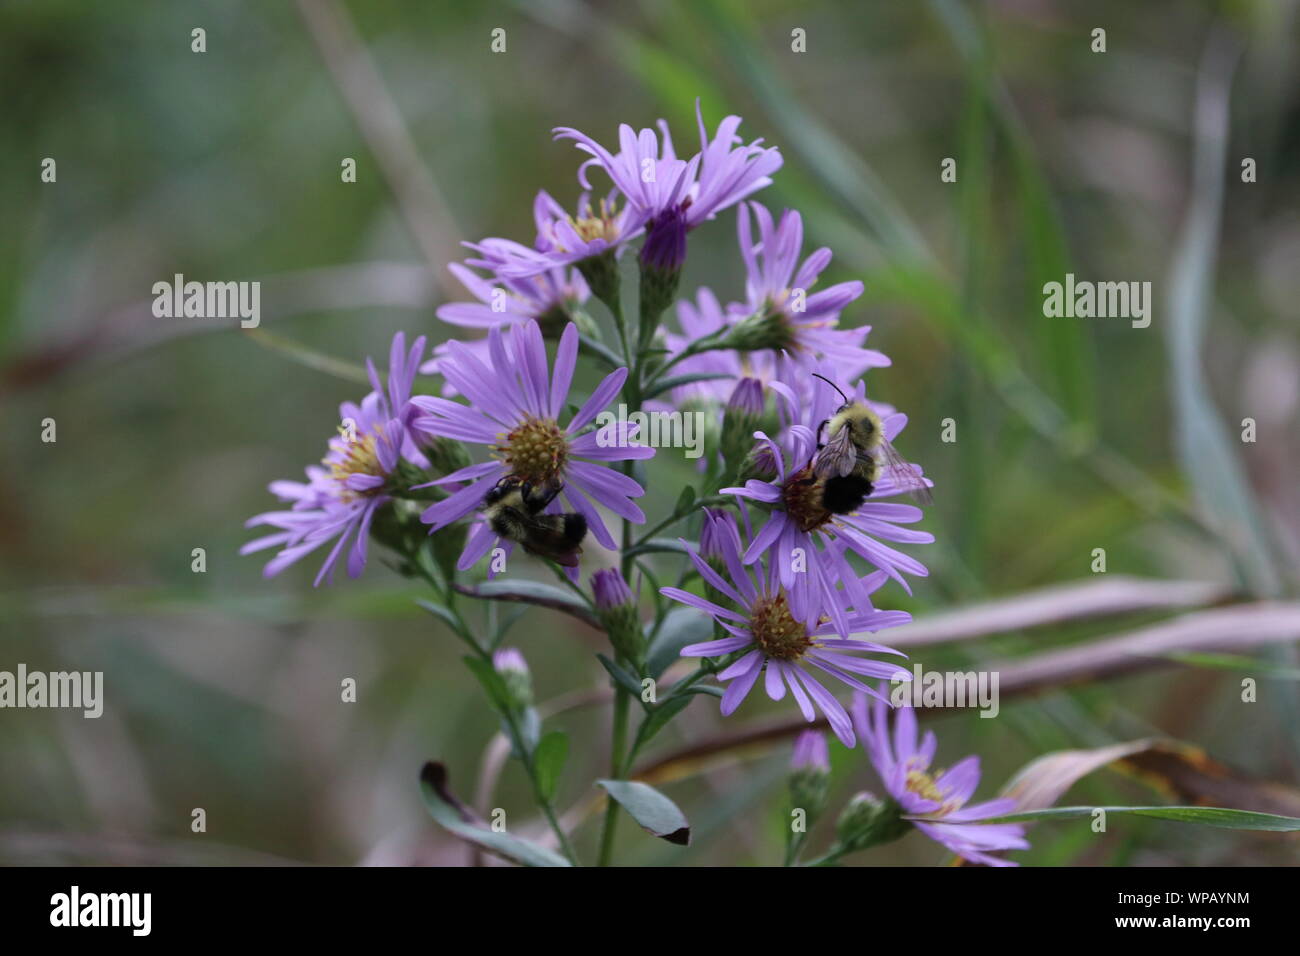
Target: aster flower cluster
[(482, 459)]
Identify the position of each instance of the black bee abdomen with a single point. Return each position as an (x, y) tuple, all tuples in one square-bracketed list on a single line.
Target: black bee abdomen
[(843, 494), (575, 527)]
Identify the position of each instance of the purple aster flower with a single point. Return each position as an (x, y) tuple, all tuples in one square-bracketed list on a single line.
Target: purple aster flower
[(785, 635), (723, 173), (338, 501), (800, 524), (935, 801), (549, 297), (649, 176), (810, 752), (517, 404), (781, 310), (562, 239)]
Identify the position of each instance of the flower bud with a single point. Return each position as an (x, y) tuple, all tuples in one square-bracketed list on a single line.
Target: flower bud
[(717, 522), (741, 417), (512, 667), (810, 774), (765, 329), (445, 455), (759, 464), (867, 820), (617, 611), (601, 273), (661, 259)]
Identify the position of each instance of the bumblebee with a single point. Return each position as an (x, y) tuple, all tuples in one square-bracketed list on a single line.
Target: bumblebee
[(515, 509), (854, 454)]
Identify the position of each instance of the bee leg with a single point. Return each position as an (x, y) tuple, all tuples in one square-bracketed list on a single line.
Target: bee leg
[(540, 501)]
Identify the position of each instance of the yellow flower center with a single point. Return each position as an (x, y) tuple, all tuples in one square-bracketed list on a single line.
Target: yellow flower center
[(599, 226), (535, 450), (361, 457), (776, 632), (923, 785)]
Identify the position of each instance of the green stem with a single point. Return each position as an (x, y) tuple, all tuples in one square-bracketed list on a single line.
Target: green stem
[(548, 810), (616, 761), (448, 598), (676, 516), (707, 344)]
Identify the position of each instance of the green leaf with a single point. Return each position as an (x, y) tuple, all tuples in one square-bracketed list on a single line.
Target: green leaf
[(537, 594), (681, 626), (659, 545), (442, 612), (521, 589), (622, 676), (552, 752), (1235, 662), (650, 808), (660, 716), (1220, 817), (677, 381), (491, 681), (455, 817), (508, 621), (684, 501), (428, 562)]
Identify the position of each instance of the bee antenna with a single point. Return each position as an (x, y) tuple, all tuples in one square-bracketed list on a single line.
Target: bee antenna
[(832, 385)]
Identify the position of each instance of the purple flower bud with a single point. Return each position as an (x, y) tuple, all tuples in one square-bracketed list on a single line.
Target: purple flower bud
[(747, 397), (610, 590), (810, 752), (618, 614), (665, 241), (508, 660), (717, 524), (512, 667)]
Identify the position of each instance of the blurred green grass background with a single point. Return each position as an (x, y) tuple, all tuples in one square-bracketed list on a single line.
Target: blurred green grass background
[(223, 689)]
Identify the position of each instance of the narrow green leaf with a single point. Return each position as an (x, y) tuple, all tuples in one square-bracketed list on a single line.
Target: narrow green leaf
[(677, 381), (549, 760), (681, 626), (442, 612), (660, 716), (650, 808), (659, 546), (684, 501), (491, 681), (1220, 817), (1236, 662), (455, 817), (622, 676)]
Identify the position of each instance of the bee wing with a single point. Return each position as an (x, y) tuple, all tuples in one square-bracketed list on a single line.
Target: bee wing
[(547, 541), (838, 456), (906, 476)]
